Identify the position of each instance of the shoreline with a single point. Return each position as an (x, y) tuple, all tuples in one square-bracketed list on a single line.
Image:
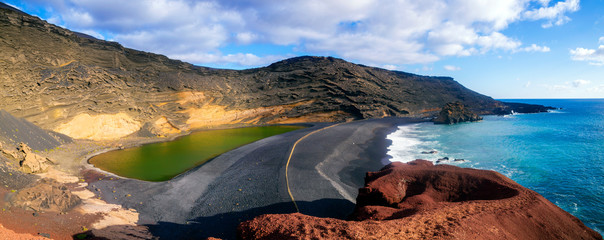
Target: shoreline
[(134, 143), (249, 181), (337, 160)]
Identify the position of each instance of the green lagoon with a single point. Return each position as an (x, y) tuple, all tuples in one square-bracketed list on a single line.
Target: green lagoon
[(163, 161)]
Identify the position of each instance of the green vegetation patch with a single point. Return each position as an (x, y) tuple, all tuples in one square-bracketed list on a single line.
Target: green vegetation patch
[(163, 161)]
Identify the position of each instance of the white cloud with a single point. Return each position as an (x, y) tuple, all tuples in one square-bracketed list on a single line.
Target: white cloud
[(559, 87), (597, 89), (243, 59), (94, 34), (180, 40), (497, 40), (368, 31), (56, 20), (527, 84), (601, 40), (14, 6), (535, 48), (79, 17), (568, 86), (580, 82), (390, 67), (544, 2), (593, 56), (485, 16), (451, 38), (246, 37), (554, 14), (451, 68)]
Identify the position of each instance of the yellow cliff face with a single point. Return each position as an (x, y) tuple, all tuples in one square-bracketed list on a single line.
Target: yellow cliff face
[(99, 127), (196, 107), (164, 127), (211, 115)]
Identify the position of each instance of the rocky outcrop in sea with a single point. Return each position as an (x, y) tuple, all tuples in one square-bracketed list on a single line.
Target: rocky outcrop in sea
[(456, 112)]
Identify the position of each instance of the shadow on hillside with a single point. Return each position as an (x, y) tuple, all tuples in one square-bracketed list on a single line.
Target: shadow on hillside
[(225, 225)]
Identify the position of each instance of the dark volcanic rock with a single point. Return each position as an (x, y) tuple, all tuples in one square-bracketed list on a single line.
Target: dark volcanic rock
[(510, 108), (421, 201), (15, 130), (455, 113), (11, 178)]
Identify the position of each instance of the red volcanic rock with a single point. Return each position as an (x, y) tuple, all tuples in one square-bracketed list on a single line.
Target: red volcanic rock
[(418, 200)]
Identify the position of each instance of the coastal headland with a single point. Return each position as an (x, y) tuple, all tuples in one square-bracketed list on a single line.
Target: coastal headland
[(419, 200)]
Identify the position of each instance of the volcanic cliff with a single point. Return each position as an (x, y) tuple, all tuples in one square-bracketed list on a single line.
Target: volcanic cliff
[(418, 200), (93, 89)]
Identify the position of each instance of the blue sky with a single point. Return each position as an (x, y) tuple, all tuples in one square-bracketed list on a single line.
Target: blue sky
[(501, 48)]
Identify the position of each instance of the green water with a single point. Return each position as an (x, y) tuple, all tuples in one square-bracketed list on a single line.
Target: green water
[(163, 161)]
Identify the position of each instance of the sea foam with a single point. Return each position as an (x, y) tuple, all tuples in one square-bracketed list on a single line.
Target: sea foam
[(410, 142), (405, 143)]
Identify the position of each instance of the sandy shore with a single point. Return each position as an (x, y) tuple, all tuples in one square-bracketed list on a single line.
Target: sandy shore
[(325, 172)]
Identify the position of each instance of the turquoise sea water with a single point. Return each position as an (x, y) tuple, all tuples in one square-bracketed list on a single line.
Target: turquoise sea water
[(559, 154)]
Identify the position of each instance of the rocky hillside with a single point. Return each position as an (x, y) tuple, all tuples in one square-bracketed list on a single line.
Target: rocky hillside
[(14, 131), (92, 89)]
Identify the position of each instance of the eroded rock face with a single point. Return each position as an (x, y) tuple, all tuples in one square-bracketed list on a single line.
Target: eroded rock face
[(99, 127), (421, 201), (46, 195), (30, 162), (455, 113)]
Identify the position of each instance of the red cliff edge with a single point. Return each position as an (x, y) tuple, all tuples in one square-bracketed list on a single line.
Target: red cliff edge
[(418, 200)]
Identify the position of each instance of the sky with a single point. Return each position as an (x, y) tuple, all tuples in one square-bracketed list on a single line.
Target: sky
[(501, 48)]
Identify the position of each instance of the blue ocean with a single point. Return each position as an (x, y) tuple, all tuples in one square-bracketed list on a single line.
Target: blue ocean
[(559, 154)]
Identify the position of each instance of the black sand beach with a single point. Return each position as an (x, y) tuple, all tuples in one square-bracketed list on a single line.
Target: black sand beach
[(325, 172)]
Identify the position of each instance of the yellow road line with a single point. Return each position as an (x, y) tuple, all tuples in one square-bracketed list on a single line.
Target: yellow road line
[(290, 157)]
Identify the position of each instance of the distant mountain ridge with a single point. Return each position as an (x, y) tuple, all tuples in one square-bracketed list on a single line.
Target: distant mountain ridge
[(61, 81)]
